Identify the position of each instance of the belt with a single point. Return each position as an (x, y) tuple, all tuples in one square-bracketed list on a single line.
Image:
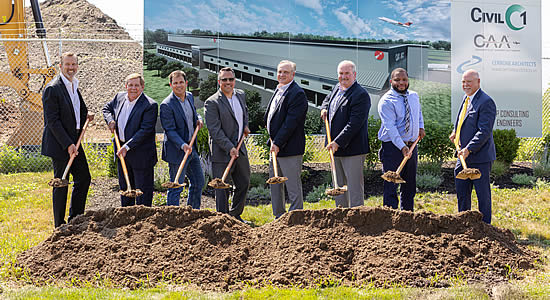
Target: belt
[(409, 143)]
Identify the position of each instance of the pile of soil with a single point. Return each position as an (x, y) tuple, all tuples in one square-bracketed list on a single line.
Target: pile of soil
[(213, 251), (102, 66)]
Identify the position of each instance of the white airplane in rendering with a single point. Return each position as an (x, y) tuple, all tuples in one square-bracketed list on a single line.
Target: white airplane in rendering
[(394, 22)]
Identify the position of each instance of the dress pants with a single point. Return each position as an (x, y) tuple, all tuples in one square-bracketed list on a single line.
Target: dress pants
[(194, 172), (81, 177), (349, 170), (141, 179), (482, 186), (290, 167), (391, 158), (240, 175)]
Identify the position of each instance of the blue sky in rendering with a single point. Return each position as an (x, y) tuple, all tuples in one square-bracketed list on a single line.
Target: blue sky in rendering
[(344, 18)]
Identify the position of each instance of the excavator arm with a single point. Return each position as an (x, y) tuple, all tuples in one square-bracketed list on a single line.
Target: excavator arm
[(12, 29)]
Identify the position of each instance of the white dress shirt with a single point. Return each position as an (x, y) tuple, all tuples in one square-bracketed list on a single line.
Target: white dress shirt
[(124, 114), (277, 98), (72, 88), (238, 111)]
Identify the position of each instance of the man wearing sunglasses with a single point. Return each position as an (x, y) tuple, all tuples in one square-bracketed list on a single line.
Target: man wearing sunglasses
[(227, 122)]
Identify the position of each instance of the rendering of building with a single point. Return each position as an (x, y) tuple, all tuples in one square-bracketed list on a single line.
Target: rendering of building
[(255, 61)]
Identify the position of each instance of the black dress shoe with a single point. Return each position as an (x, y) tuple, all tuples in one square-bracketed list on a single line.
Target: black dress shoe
[(241, 219)]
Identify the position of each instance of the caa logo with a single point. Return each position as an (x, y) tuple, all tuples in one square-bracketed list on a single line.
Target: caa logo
[(515, 23), (467, 64), (490, 41)]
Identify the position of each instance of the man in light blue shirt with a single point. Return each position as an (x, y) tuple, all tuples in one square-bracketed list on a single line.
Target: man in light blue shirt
[(402, 124)]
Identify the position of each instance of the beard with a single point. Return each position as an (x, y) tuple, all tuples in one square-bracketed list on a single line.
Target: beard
[(403, 91)]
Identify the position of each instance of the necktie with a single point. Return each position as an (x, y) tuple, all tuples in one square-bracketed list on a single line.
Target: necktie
[(460, 121), (407, 115)]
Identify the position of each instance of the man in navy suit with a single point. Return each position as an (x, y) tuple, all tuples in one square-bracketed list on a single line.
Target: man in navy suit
[(347, 109), (474, 136), (179, 119), (285, 118), (134, 115), (64, 116)]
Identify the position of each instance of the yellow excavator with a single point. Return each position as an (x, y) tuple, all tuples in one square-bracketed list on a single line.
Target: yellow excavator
[(15, 36)]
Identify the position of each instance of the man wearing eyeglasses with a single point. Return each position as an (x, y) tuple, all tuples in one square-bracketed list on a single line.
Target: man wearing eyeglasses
[(227, 122)]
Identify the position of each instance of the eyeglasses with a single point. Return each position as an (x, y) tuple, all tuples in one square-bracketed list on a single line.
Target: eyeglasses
[(228, 79)]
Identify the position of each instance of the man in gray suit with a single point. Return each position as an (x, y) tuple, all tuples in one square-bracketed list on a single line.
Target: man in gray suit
[(227, 120)]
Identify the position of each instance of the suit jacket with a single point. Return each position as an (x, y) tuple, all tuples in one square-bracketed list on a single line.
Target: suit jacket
[(476, 133), (286, 128), (174, 122), (59, 121), (222, 125), (349, 127), (139, 131)]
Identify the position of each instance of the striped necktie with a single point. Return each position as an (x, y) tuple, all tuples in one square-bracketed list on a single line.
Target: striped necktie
[(407, 114), (460, 121)]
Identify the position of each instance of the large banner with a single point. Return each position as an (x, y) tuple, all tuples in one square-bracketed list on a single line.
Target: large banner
[(501, 39)]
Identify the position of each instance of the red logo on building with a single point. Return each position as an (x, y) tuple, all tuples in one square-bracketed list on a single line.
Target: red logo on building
[(379, 55)]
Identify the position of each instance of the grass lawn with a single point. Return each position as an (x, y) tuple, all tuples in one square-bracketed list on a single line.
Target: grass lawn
[(156, 87), (26, 220)]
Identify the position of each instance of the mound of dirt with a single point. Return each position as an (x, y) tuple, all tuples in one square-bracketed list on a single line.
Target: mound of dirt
[(307, 247)]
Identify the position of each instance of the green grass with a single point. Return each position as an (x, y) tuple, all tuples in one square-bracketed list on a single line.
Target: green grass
[(26, 220), (439, 57), (156, 87)]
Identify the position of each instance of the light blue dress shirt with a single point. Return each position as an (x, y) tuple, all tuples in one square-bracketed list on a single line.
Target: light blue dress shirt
[(391, 109)]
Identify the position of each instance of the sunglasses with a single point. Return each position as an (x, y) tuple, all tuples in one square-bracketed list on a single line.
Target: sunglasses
[(227, 79)]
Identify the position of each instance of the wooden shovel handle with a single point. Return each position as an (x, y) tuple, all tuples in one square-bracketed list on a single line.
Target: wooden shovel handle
[(71, 159), (226, 172), (274, 159), (122, 162), (182, 164), (332, 166), (462, 160)]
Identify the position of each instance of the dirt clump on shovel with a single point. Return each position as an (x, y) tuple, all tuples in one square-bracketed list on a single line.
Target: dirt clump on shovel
[(135, 245)]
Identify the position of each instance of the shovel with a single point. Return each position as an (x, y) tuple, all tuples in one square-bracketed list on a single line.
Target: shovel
[(394, 177), (276, 179), (467, 173), (175, 184), (336, 191), (63, 181), (129, 192), (220, 183)]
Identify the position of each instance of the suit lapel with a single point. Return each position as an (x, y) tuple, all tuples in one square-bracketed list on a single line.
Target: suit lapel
[(225, 101), (175, 102), (67, 97), (138, 105), (120, 103), (345, 96)]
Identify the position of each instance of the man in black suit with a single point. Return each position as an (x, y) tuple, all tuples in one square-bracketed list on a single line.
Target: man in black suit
[(227, 121), (64, 116), (285, 117), (347, 109), (134, 115)]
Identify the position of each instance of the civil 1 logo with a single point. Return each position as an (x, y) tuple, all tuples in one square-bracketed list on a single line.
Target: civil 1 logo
[(479, 16), (467, 64)]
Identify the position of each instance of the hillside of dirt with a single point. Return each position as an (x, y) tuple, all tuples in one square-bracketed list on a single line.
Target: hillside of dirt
[(213, 251), (102, 65)]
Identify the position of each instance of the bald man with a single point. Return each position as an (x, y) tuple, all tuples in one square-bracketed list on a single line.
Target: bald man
[(473, 135)]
